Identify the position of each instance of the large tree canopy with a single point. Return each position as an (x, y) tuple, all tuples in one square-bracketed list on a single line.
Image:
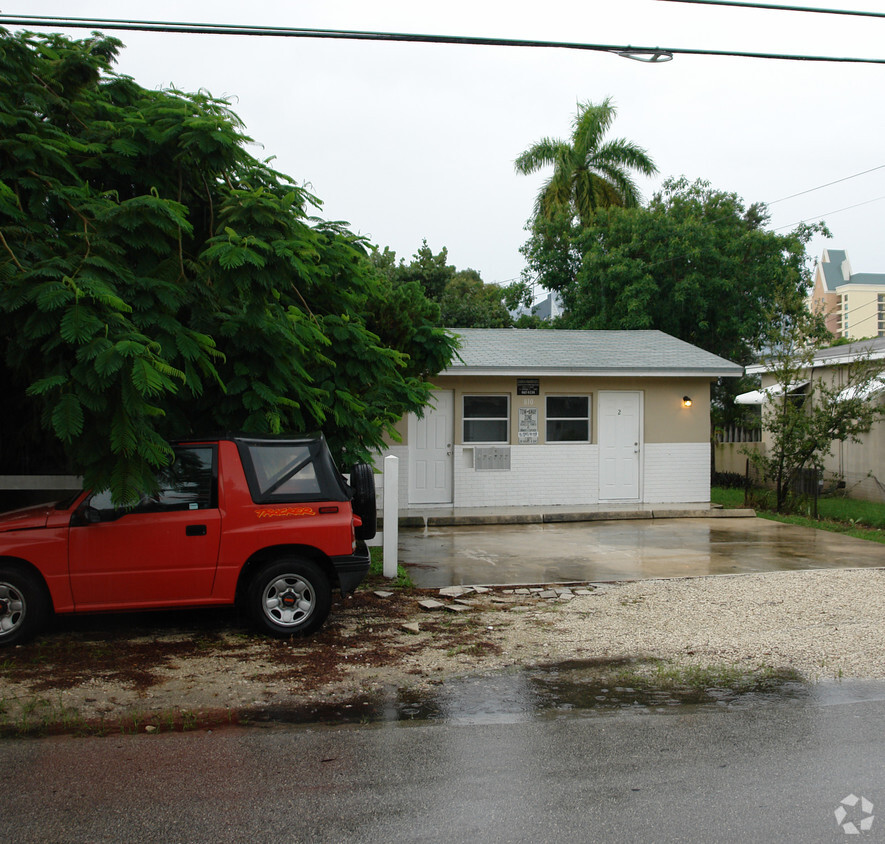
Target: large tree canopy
[(695, 263), (158, 280), (589, 172), (464, 299)]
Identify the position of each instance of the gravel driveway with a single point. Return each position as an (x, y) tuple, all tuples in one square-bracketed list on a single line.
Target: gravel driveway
[(166, 669)]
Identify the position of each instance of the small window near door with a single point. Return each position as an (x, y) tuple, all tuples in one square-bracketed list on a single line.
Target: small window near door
[(568, 419), (486, 419)]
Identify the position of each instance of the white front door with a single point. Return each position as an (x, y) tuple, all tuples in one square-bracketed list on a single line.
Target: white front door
[(431, 450), (620, 445)]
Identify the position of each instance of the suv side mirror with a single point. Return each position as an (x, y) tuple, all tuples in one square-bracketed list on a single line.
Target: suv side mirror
[(91, 515)]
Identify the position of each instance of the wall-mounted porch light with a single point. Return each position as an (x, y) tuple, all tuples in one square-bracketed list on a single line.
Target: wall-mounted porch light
[(686, 401)]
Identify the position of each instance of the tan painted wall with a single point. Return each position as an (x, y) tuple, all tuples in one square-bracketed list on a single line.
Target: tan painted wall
[(665, 418), (825, 302), (731, 457), (862, 310)]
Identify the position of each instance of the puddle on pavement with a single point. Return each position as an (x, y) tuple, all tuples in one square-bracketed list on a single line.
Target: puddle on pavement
[(575, 688)]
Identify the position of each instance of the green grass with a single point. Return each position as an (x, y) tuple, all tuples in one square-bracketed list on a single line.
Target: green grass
[(730, 498), (665, 675), (867, 513), (861, 519), (376, 572)]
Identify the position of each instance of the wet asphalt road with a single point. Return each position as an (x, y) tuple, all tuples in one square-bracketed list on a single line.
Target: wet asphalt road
[(772, 771), (623, 550)]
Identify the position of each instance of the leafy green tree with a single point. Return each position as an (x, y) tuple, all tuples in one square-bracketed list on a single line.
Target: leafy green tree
[(464, 300), (589, 172), (695, 263), (432, 272), (801, 428), (469, 303), (159, 281)]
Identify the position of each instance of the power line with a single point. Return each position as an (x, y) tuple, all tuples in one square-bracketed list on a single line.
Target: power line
[(774, 7), (829, 213), (648, 54), (828, 184)]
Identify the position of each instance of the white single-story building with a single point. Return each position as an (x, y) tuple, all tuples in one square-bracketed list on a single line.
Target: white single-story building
[(550, 417)]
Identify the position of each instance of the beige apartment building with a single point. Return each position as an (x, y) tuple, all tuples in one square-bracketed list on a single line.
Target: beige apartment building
[(854, 303)]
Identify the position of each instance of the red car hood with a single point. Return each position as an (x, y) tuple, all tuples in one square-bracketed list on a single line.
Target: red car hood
[(26, 518)]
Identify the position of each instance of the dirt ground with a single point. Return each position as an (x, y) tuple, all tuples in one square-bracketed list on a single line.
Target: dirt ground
[(186, 669)]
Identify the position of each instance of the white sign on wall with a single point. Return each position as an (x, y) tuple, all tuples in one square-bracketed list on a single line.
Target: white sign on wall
[(527, 431)]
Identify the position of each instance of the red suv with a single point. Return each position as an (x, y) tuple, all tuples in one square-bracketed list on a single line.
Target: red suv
[(265, 522)]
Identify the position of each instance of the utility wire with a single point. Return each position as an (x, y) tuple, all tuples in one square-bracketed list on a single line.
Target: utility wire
[(774, 7), (287, 32), (648, 54), (829, 213), (828, 184)]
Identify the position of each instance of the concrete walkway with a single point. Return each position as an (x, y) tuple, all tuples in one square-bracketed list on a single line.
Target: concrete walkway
[(628, 547)]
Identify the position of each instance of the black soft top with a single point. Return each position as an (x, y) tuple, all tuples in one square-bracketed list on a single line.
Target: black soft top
[(287, 469)]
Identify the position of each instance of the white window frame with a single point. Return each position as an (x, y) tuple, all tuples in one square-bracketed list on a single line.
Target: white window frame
[(548, 419), (465, 419)]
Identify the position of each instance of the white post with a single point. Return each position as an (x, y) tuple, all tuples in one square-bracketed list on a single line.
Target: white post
[(390, 545)]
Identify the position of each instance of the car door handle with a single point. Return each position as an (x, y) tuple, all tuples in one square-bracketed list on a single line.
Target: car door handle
[(195, 530)]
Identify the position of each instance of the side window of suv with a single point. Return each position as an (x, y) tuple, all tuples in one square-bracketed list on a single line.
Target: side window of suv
[(189, 483), (284, 469)]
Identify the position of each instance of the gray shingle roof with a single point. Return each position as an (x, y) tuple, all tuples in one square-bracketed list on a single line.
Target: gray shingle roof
[(533, 351)]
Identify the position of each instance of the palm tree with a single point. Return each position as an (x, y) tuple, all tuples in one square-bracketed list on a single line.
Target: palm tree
[(587, 172)]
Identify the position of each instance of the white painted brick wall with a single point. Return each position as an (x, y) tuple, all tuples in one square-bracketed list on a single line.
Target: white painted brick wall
[(539, 474), (676, 473), (566, 474), (402, 452)]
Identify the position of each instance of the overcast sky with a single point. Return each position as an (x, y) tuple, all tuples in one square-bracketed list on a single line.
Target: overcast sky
[(411, 141)]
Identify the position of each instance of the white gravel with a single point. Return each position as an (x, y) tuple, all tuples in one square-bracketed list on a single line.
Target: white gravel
[(823, 624)]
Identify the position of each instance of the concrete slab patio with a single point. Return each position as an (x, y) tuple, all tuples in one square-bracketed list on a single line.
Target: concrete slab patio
[(629, 548)]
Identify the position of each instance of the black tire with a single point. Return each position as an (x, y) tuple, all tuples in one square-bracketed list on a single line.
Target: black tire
[(24, 605), (362, 481), (289, 597)]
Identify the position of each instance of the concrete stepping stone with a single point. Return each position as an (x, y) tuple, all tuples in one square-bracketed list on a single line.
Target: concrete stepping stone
[(454, 591)]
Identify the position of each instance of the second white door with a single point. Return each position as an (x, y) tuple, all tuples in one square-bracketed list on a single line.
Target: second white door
[(620, 445)]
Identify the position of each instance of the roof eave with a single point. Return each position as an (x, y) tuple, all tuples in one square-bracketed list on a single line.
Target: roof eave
[(641, 372), (834, 359)]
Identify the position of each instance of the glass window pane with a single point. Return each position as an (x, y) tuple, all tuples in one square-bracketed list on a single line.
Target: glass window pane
[(483, 407), (187, 483), (277, 464), (567, 407), (485, 431), (568, 430)]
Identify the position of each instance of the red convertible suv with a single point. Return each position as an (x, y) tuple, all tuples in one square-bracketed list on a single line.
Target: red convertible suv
[(262, 521)]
